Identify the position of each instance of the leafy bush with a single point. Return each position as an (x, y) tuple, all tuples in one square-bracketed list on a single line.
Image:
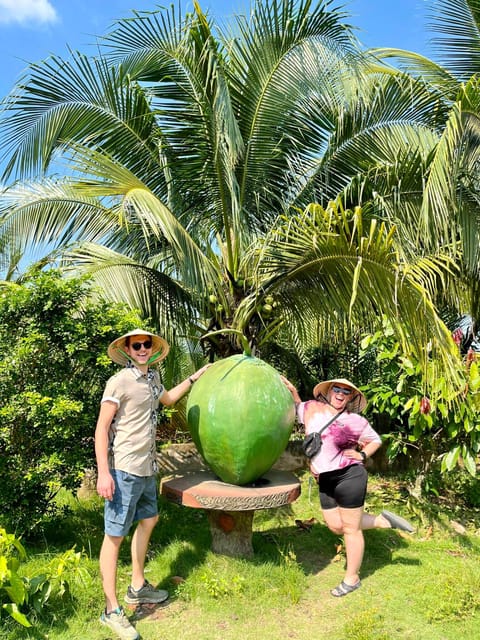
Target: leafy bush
[(53, 367), (13, 589), (21, 596), (443, 433)]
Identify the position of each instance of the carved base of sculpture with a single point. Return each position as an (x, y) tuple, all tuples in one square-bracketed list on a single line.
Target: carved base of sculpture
[(231, 533), (231, 508)]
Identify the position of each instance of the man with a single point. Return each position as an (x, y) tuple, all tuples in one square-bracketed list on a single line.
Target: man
[(126, 463)]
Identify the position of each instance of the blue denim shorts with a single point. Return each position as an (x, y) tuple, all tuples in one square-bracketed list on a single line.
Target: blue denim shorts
[(135, 498)]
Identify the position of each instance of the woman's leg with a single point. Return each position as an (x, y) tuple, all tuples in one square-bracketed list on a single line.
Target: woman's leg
[(354, 543), (347, 522), (370, 521), (346, 491)]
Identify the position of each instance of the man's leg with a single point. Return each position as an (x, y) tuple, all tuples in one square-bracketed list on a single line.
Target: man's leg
[(140, 590), (108, 569), (140, 540), (114, 616)]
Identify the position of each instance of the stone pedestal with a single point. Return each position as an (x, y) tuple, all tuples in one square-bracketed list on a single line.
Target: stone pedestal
[(230, 507)]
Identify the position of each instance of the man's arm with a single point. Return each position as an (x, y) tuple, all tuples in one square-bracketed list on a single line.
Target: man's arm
[(169, 398), (105, 483)]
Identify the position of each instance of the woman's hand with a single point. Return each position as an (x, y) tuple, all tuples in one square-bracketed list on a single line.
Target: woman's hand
[(291, 388), (352, 454)]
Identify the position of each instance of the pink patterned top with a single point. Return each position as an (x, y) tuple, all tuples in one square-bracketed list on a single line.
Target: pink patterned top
[(346, 432)]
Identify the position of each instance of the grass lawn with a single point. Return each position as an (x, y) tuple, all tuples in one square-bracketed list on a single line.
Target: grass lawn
[(424, 586)]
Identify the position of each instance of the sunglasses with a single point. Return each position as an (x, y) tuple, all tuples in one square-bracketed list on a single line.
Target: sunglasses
[(346, 392), (136, 346)]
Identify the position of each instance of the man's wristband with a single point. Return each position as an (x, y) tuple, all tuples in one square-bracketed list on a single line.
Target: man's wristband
[(364, 456), (191, 380)]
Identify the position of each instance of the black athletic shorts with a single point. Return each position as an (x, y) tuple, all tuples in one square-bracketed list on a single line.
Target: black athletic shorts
[(345, 487)]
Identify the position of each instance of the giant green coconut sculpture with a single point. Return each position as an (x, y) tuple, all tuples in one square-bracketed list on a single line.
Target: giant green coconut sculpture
[(240, 416)]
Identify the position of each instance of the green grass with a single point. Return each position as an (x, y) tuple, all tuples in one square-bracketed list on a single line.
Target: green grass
[(425, 586)]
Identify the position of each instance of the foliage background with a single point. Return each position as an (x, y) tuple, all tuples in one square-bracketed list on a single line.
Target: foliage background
[(53, 367)]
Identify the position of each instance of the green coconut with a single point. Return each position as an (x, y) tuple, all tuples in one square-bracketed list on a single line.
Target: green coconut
[(240, 416)]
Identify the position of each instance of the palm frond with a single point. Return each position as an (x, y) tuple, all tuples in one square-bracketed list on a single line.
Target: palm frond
[(156, 294), (79, 100), (436, 78), (324, 262), (51, 213), (456, 25)]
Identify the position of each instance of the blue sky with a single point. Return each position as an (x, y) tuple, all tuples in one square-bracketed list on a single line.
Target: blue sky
[(31, 30)]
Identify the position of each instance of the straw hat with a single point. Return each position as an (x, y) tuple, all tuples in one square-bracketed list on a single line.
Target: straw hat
[(117, 349), (357, 403)]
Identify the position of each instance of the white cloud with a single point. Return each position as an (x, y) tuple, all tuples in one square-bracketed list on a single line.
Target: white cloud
[(27, 11)]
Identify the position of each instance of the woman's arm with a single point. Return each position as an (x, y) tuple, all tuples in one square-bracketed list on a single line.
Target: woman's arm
[(292, 389)]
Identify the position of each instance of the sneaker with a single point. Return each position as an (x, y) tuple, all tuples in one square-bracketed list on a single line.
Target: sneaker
[(120, 624), (145, 595)]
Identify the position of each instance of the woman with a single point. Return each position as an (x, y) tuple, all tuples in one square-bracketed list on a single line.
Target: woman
[(347, 442)]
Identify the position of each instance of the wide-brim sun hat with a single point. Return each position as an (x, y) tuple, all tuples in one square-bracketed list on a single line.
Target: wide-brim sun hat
[(117, 349), (357, 403)]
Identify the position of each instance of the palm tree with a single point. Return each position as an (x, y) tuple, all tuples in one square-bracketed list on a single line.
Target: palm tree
[(193, 153), (449, 207)]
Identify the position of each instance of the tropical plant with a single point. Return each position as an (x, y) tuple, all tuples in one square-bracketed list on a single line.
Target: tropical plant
[(193, 152), (435, 436), (24, 598), (13, 591)]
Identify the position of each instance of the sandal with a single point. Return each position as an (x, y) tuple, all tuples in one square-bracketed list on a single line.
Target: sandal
[(397, 522), (344, 589)]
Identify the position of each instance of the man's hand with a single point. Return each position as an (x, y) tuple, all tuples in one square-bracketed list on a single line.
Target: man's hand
[(105, 486)]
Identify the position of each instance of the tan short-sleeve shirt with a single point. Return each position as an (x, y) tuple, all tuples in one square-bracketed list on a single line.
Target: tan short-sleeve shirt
[(133, 430)]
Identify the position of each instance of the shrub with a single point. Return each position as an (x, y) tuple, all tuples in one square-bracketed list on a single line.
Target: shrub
[(21, 597), (13, 589), (443, 432), (53, 367)]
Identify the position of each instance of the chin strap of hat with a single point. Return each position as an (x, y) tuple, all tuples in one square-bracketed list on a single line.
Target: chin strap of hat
[(323, 398), (126, 355), (152, 358)]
